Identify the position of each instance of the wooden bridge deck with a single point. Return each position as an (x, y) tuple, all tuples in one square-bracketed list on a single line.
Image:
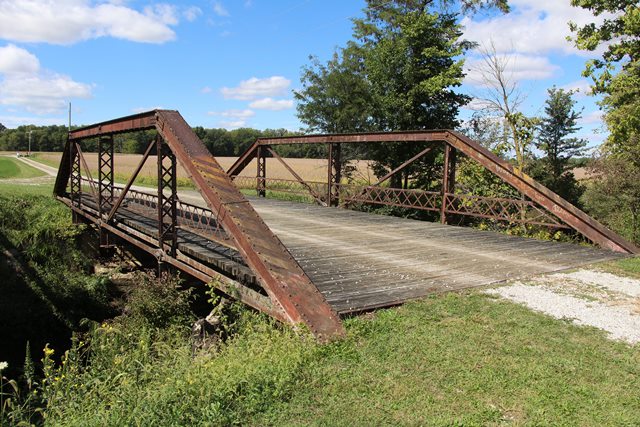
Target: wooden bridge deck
[(361, 261)]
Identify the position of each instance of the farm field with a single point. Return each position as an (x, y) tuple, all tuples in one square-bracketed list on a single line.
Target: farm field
[(14, 168), (125, 164)]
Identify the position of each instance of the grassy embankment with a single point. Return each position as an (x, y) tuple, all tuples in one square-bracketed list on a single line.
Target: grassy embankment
[(14, 168), (454, 359)]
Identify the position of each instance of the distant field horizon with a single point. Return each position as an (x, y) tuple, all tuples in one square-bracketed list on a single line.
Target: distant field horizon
[(308, 169)]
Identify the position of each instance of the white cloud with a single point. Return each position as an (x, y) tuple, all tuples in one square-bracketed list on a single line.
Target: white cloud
[(233, 124), (233, 119), (594, 117), (15, 121), (581, 88), (145, 109), (44, 94), (26, 85), (165, 13), (219, 9), (534, 27), (517, 68), (192, 13), (236, 114), (17, 60), (272, 104), (70, 21), (206, 89), (257, 88)]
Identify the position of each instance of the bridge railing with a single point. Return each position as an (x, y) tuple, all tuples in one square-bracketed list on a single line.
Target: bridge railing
[(193, 217), (502, 209)]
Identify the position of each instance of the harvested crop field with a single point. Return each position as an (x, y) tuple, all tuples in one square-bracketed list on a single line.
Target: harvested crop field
[(308, 169)]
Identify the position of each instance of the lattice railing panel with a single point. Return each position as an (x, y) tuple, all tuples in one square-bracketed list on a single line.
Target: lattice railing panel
[(500, 209)]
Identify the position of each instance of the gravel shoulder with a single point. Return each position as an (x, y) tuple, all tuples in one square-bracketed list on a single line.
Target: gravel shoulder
[(585, 297)]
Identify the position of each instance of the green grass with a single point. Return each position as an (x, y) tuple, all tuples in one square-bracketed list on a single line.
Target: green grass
[(626, 267), (454, 359), (8, 188), (47, 162), (14, 168)]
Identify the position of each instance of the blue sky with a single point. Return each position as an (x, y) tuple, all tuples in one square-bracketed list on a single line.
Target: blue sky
[(233, 63)]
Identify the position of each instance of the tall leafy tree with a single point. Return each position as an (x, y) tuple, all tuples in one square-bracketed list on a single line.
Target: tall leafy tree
[(399, 72), (614, 194), (335, 97), (616, 74), (555, 140)]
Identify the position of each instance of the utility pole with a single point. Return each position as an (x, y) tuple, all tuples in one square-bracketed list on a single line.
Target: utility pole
[(29, 152)]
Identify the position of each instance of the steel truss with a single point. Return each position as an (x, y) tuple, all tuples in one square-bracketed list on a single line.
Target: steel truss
[(539, 206), (287, 293)]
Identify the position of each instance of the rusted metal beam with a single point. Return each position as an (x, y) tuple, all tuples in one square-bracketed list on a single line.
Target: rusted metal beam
[(92, 184), (118, 202), (572, 216), (334, 174), (105, 174), (279, 274), (445, 183), (402, 166), (75, 181), (261, 172), (136, 122), (243, 161), (166, 206), (302, 182), (105, 184), (415, 136)]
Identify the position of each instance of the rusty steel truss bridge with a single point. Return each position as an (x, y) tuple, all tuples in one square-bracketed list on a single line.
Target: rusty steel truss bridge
[(322, 261)]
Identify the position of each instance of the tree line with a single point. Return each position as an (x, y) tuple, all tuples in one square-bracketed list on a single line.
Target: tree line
[(221, 142)]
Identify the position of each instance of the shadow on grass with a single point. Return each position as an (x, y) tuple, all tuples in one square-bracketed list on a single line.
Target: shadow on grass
[(26, 314), (33, 310)]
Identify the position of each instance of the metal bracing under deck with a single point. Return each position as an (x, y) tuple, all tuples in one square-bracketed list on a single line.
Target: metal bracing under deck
[(333, 261)]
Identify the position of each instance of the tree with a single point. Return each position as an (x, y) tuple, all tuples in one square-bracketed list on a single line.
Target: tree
[(398, 73), (613, 195), (471, 177), (2, 128), (617, 74), (503, 98), (335, 97), (555, 141)]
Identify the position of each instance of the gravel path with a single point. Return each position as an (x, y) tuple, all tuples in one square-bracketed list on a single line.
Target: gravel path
[(586, 297)]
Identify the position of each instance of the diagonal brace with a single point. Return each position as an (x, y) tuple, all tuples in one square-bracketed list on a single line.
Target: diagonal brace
[(118, 202), (297, 177)]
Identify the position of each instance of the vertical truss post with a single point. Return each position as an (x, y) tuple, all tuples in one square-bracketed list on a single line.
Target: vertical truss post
[(75, 188), (167, 183), (448, 179), (105, 184), (334, 175), (261, 171)]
